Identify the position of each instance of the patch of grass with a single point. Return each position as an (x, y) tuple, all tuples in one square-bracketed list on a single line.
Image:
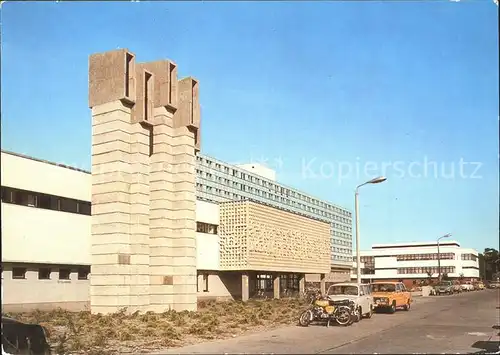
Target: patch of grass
[(122, 332)]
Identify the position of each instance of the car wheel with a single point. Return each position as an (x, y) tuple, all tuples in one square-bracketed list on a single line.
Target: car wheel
[(370, 314), (393, 307), (407, 306), (360, 315)]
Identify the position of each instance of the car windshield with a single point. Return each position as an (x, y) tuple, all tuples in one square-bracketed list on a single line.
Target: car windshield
[(383, 288), (445, 283), (343, 290)]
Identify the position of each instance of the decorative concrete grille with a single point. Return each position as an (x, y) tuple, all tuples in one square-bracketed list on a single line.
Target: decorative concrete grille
[(258, 237)]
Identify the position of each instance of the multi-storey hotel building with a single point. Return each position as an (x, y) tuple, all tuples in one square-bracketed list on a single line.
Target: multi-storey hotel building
[(217, 181), (416, 262)]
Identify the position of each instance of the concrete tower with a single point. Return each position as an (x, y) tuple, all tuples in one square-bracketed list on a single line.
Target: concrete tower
[(145, 133)]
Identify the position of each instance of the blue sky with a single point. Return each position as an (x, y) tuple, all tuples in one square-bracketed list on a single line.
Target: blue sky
[(331, 84)]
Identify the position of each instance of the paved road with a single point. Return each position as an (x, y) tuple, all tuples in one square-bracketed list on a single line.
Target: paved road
[(463, 323)]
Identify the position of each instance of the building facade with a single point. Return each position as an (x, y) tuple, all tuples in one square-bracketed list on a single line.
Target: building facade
[(46, 239), (145, 223), (217, 181), (417, 262)]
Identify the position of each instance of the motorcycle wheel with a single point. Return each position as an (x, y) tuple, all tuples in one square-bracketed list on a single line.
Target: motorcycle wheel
[(343, 317), (305, 318)]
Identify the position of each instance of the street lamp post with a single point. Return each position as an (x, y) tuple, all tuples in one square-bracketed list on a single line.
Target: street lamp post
[(356, 211), (439, 255)]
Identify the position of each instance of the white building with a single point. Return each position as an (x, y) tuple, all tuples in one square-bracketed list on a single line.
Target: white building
[(259, 169), (412, 262), (46, 229)]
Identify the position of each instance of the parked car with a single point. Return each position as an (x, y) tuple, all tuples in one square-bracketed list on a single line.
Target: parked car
[(361, 296), (22, 338), (390, 296), (457, 288), (444, 288), (494, 284), (467, 286)]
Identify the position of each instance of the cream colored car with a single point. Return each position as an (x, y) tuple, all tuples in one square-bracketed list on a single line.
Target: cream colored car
[(361, 296)]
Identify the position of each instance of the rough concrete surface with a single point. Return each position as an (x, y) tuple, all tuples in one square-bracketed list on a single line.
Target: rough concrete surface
[(463, 323)]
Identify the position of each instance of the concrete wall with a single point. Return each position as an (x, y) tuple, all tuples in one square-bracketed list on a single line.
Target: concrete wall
[(35, 235), (221, 285), (25, 174), (207, 212), (31, 293), (207, 249), (207, 245)]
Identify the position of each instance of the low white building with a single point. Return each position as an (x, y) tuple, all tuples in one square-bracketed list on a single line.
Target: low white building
[(412, 262)]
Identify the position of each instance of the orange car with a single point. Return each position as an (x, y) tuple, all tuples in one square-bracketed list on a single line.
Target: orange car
[(390, 296)]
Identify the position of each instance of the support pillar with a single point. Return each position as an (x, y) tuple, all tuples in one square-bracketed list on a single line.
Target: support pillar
[(276, 286), (245, 291), (173, 194), (302, 284), (145, 133), (322, 283), (115, 282)]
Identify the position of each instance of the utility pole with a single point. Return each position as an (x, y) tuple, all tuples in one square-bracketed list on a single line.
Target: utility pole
[(439, 255)]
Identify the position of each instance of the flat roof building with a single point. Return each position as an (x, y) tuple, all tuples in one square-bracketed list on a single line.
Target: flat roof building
[(217, 181), (416, 262)]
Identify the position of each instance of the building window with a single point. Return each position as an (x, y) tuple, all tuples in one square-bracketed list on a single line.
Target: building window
[(44, 201), (429, 256), (469, 257), (205, 282), (68, 205), (18, 273), (64, 274), (84, 208), (427, 270), (44, 273), (264, 282), (208, 228), (83, 274)]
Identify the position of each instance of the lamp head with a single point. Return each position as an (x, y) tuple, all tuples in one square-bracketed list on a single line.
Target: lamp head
[(377, 180)]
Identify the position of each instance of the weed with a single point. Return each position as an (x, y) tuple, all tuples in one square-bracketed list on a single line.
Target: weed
[(125, 332)]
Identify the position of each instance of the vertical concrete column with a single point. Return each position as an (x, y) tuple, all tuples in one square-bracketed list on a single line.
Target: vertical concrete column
[(302, 283), (186, 124), (111, 97), (145, 135), (140, 149), (322, 283), (172, 188), (161, 231), (245, 291), (276, 286), (184, 219)]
